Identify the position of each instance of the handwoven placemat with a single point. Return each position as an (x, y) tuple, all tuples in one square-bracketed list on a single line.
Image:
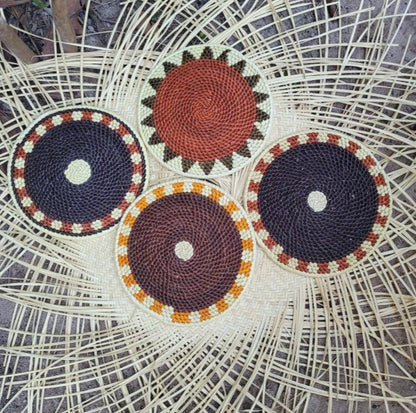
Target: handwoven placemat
[(75, 171), (318, 202), (205, 111), (185, 251)]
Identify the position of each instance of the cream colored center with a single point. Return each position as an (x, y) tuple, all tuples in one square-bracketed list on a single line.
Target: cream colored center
[(184, 250), (317, 201), (78, 172)]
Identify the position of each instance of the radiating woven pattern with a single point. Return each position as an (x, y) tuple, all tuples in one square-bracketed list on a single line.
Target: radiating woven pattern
[(319, 202), (74, 172), (71, 338), (185, 251), (205, 111)]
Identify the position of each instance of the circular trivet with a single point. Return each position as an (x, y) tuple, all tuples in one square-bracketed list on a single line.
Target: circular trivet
[(318, 202), (75, 171), (185, 251), (205, 111)]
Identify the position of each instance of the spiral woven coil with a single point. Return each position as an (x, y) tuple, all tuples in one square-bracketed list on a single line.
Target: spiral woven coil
[(319, 202), (185, 251), (75, 171), (205, 111)]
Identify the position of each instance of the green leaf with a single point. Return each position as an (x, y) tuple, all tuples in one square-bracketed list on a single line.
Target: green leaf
[(39, 3)]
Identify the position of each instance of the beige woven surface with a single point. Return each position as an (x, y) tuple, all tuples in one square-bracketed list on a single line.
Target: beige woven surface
[(75, 342)]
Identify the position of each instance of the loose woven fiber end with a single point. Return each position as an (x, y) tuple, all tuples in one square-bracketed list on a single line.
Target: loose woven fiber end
[(76, 342)]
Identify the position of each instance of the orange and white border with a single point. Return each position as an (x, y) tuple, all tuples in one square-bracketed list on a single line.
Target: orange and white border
[(239, 217)]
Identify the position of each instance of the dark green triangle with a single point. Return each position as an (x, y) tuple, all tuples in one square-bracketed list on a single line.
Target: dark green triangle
[(187, 57), (155, 139), (256, 135), (240, 66), (187, 164), (261, 115), (223, 56), (168, 154), (228, 161), (155, 82), (169, 66), (207, 166), (149, 121), (244, 151), (260, 97), (149, 102), (253, 80), (207, 53)]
